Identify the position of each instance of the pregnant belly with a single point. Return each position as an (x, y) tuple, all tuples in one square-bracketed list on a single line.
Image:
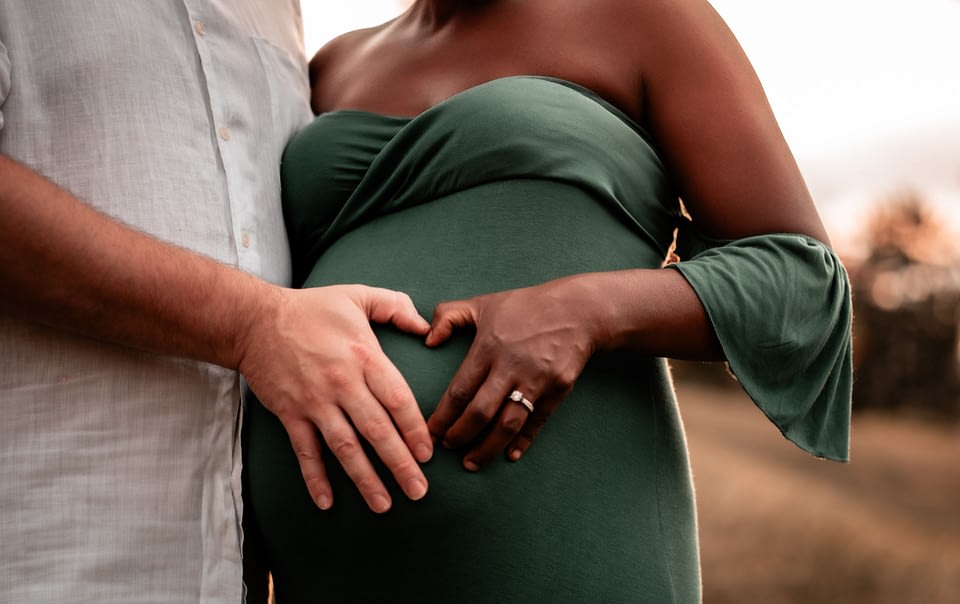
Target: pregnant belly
[(485, 239), (579, 514), (589, 479), (488, 238)]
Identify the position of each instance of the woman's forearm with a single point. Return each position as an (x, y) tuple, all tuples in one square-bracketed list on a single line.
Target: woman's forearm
[(654, 311)]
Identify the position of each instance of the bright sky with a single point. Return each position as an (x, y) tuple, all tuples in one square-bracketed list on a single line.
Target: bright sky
[(867, 92)]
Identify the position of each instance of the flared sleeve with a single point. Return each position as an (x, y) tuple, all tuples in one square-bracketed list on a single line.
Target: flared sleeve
[(780, 305)]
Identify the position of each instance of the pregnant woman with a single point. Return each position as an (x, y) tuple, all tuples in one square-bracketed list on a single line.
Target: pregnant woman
[(528, 158)]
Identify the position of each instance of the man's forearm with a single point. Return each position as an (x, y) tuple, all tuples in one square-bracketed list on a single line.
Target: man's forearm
[(64, 264), (310, 355)]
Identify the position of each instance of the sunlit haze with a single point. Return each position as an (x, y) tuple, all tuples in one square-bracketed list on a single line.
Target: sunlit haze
[(867, 92)]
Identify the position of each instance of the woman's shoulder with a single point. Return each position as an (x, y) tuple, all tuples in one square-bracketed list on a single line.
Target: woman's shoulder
[(332, 61)]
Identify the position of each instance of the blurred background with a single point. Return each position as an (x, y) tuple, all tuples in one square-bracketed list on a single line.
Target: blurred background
[(867, 93)]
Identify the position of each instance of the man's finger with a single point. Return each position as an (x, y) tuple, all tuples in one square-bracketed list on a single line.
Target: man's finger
[(388, 306), (306, 445), (390, 388), (371, 420), (344, 444)]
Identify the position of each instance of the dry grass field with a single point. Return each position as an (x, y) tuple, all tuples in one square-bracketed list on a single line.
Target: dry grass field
[(779, 526)]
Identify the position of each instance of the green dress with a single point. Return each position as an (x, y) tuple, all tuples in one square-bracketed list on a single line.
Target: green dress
[(508, 184)]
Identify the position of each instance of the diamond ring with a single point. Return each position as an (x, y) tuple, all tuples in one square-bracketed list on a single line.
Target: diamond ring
[(517, 397)]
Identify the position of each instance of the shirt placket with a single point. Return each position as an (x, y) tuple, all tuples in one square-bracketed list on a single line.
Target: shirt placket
[(227, 133)]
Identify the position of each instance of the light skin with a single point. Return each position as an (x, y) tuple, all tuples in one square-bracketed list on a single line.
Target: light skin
[(676, 69), (310, 355)]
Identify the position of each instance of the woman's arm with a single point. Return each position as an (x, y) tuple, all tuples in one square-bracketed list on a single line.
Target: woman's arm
[(715, 129), (711, 121), (538, 339)]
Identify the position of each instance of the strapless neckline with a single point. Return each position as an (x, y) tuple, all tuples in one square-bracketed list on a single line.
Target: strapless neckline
[(401, 119)]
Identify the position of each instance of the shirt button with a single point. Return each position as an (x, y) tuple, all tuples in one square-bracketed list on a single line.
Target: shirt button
[(245, 239), (201, 30), (224, 133)]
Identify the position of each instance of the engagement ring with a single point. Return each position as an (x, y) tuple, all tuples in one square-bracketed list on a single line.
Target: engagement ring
[(517, 397)]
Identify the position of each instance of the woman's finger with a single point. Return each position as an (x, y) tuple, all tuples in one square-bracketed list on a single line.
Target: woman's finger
[(447, 316), (512, 417), (542, 411), (460, 391), (478, 415)]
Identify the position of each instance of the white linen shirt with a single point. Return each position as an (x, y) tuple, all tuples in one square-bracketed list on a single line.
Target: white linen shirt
[(120, 470)]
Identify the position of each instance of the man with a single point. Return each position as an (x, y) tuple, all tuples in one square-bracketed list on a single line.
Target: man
[(119, 463)]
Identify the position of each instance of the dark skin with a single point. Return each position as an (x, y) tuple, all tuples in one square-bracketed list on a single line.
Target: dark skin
[(676, 69)]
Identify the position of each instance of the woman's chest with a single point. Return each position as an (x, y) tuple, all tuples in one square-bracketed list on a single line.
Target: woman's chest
[(397, 77)]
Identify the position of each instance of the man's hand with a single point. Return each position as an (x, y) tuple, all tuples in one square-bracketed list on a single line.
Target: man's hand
[(313, 360), (309, 354)]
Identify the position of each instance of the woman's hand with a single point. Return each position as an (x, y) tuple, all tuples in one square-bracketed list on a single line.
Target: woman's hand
[(535, 341)]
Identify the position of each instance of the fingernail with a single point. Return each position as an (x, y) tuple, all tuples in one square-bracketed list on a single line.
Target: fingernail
[(324, 501), (423, 452), (447, 444), (416, 489), (380, 503), (470, 465), (515, 454)]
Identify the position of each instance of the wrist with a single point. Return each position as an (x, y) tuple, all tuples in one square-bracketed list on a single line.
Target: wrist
[(625, 307), (259, 304), (588, 296)]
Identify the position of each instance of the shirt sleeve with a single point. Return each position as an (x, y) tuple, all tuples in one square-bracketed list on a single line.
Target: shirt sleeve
[(780, 305), (4, 79)]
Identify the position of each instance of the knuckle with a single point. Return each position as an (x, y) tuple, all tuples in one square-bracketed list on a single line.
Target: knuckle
[(396, 399), (315, 484), (305, 454), (511, 424), (460, 396), (480, 416), (377, 430), (565, 379), (405, 469), (338, 377), (343, 447), (367, 483), (361, 353)]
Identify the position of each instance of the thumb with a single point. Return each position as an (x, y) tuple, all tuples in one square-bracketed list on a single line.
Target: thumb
[(388, 306), (449, 315)]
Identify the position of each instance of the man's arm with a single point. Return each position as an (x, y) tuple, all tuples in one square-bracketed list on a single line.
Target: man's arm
[(310, 355)]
